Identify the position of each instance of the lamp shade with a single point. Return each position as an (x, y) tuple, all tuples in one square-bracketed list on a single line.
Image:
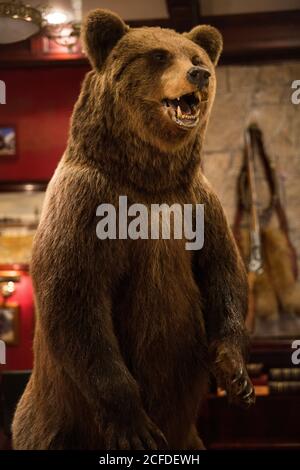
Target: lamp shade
[(18, 21)]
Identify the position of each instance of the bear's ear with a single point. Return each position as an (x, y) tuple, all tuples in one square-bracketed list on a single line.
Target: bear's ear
[(101, 31), (209, 38)]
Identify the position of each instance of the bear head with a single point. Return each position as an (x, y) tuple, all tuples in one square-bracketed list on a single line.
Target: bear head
[(160, 84)]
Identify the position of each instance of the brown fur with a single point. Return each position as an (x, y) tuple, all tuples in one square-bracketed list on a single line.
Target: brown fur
[(128, 330)]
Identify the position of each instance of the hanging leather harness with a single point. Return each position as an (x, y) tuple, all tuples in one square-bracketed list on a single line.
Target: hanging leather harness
[(275, 204)]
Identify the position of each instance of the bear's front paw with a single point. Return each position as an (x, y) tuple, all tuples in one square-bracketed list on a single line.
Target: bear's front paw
[(232, 376), (140, 434), (241, 390)]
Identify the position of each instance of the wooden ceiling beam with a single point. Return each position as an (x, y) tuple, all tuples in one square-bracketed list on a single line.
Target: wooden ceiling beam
[(184, 14)]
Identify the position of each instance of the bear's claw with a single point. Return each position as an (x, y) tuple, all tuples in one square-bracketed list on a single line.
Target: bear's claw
[(231, 374)]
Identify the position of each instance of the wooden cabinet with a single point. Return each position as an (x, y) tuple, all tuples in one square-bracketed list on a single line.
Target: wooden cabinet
[(272, 422)]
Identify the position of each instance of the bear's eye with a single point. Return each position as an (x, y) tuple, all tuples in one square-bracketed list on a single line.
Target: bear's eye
[(160, 56), (196, 60)]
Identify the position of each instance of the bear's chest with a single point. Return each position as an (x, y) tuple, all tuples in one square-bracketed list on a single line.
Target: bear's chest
[(158, 301), (158, 245)]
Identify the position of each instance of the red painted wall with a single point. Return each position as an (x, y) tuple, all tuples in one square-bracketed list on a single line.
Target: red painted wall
[(39, 104)]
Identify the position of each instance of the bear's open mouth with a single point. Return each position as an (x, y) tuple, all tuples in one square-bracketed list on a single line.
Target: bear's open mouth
[(185, 110)]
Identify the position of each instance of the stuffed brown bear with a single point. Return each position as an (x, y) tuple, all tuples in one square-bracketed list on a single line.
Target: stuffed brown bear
[(129, 330)]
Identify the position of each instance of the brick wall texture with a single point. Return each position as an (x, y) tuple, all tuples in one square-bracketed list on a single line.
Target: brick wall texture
[(261, 94)]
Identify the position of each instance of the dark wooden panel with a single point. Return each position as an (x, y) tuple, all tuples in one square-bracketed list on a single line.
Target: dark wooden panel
[(22, 186), (184, 14), (273, 422), (30, 53), (272, 352), (259, 37), (254, 37)]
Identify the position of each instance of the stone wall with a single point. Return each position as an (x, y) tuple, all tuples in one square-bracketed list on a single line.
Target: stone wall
[(261, 94)]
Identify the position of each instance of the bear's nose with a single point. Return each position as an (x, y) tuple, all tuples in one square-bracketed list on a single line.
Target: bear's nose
[(198, 76)]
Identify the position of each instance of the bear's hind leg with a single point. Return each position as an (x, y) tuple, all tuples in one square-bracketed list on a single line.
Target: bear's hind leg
[(65, 441), (194, 442)]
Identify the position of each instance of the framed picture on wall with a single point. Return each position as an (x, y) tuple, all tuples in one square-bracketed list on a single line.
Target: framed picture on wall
[(9, 323), (8, 141), (20, 208)]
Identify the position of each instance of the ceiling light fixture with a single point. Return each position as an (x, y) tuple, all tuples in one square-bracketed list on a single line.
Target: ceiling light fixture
[(18, 21)]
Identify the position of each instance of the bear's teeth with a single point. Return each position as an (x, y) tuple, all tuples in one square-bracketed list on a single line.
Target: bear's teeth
[(179, 114)]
